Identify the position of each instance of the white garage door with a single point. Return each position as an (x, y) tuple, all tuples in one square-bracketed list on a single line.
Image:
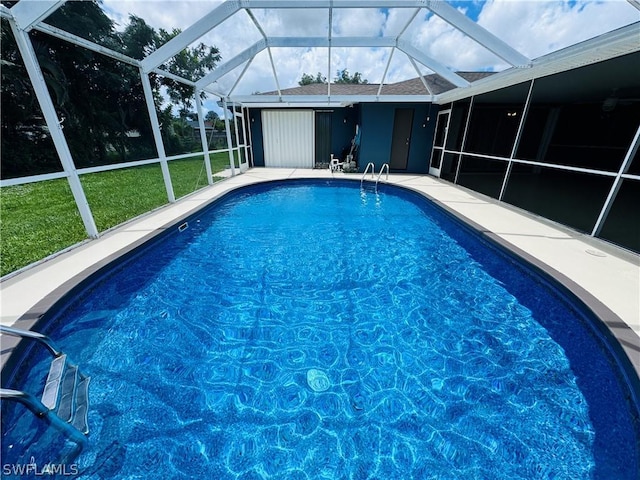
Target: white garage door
[(288, 138)]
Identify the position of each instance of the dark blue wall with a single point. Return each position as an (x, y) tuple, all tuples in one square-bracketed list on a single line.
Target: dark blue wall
[(343, 129), (377, 134), (376, 123)]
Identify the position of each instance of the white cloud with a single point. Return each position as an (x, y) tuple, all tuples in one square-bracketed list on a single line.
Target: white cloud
[(533, 27), (448, 46), (165, 14), (355, 22), (397, 20), (310, 22)]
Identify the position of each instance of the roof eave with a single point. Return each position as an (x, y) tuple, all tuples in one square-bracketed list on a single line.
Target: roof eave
[(305, 101)]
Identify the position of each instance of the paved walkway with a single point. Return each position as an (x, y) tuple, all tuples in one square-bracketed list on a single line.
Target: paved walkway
[(609, 274)]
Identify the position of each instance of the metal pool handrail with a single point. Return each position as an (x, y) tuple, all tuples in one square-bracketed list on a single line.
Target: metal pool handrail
[(27, 399), (39, 409), (385, 166), (46, 341), (57, 388), (373, 167)]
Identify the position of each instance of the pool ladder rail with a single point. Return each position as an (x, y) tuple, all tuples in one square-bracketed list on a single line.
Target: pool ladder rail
[(370, 165), (65, 399)]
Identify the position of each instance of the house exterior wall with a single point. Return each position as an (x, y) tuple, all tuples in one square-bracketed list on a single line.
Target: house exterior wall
[(376, 123), (377, 133), (343, 128)]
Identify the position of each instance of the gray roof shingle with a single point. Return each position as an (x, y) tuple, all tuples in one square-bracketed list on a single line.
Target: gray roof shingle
[(414, 86)]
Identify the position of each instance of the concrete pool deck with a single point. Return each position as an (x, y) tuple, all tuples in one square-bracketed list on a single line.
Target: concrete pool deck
[(607, 276)]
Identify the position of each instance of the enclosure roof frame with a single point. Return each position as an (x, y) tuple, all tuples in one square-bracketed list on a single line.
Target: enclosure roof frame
[(31, 14)]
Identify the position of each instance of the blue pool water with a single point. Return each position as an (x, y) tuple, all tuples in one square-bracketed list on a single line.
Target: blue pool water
[(314, 330)]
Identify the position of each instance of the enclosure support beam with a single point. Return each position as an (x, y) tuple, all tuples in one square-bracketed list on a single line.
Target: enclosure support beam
[(235, 127), (617, 183), (28, 13), (464, 139), (229, 139), (246, 135), (386, 69), (84, 43), (203, 138), (234, 62), (244, 70), (55, 127), (329, 63), (157, 135), (420, 76), (264, 36), (249, 137), (432, 64), (196, 30), (460, 21), (635, 3), (516, 141)]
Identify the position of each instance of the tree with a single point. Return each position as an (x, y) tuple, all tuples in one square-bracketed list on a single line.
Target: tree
[(342, 76), (26, 145), (138, 39), (191, 63), (105, 97), (72, 74), (101, 100), (310, 79)]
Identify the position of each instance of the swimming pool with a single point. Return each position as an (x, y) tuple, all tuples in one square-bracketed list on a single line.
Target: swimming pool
[(311, 329)]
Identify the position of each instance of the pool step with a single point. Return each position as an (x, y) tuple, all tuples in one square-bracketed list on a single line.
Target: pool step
[(65, 399), (66, 393)]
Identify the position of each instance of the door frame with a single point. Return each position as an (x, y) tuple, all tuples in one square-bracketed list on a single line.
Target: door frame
[(323, 128), (401, 138), (437, 153)]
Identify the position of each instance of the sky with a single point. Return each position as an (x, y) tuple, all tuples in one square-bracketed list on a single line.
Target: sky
[(533, 27)]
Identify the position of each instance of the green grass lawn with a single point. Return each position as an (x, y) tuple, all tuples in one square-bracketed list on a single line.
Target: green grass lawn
[(39, 219)]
